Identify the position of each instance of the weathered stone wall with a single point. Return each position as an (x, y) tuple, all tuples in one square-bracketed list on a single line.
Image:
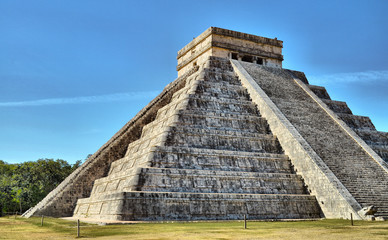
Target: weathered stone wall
[(201, 150), (352, 173), (161, 206), (220, 42), (125, 172), (62, 200), (361, 125), (335, 201), (217, 159)]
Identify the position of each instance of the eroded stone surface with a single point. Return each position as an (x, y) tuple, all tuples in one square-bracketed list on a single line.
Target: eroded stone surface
[(207, 155), (202, 150), (362, 175)]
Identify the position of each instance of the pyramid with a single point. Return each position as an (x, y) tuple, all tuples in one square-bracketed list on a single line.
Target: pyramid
[(235, 134)]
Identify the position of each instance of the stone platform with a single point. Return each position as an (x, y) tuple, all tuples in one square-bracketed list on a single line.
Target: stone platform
[(233, 135), (207, 155)]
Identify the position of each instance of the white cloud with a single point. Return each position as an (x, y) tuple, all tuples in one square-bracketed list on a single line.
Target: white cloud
[(85, 99), (369, 76)]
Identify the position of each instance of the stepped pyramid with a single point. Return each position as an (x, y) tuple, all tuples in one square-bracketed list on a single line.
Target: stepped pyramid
[(235, 134)]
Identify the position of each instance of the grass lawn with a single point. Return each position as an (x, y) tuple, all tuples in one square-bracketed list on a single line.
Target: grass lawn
[(21, 228)]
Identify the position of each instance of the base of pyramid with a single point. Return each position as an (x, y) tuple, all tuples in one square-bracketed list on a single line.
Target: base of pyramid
[(158, 206)]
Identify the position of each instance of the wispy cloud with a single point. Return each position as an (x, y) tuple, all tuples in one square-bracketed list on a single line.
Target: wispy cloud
[(84, 99), (351, 77)]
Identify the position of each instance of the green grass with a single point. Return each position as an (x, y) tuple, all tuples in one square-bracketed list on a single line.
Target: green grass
[(21, 228)]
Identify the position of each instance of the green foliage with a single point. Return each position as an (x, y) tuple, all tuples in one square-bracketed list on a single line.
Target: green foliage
[(23, 185)]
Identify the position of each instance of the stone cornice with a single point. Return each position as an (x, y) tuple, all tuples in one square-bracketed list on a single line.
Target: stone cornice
[(229, 33), (250, 51), (232, 47)]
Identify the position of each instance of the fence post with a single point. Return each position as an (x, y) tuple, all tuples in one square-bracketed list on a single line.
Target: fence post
[(78, 232), (245, 221), (351, 218), (41, 221)]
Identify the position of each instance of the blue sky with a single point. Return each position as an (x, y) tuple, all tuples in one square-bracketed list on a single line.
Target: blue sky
[(72, 73)]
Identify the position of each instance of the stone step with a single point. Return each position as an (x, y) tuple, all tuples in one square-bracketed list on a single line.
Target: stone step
[(346, 159), (375, 193), (222, 100), (226, 105), (181, 93), (153, 206), (211, 103), (360, 185), (337, 106), (171, 108), (355, 168), (127, 162), (319, 91), (217, 76), (207, 159), (250, 111), (139, 146), (203, 131), (217, 88), (381, 150), (217, 120), (202, 158), (214, 89), (210, 86), (375, 198), (196, 180), (357, 122), (356, 187), (199, 158), (219, 113), (222, 140), (361, 125), (115, 181), (215, 181), (224, 87), (373, 137), (223, 121), (217, 64)]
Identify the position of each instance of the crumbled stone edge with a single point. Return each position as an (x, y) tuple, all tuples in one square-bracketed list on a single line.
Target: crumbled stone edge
[(344, 126), (333, 198), (43, 206)]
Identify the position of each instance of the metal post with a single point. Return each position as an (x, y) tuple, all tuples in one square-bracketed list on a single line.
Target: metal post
[(245, 221), (78, 233), (351, 218), (41, 221)]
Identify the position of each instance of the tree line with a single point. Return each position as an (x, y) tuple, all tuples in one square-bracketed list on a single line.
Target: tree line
[(23, 185)]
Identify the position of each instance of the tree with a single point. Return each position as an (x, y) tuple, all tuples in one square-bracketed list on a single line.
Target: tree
[(24, 185)]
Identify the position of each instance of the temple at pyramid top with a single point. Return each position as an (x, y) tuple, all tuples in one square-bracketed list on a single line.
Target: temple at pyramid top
[(234, 135), (225, 43)]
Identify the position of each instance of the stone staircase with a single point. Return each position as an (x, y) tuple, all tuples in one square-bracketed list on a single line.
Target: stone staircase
[(361, 125), (207, 155), (360, 174)]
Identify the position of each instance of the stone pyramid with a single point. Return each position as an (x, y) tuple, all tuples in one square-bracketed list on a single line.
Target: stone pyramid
[(233, 135)]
